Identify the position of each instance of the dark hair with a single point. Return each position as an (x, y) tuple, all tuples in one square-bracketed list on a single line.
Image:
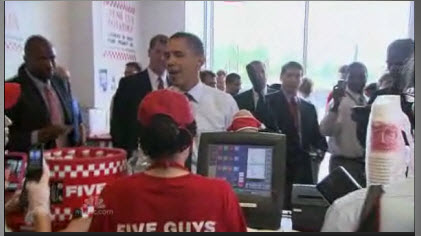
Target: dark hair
[(33, 41), (231, 77), (205, 73), (410, 72), (163, 39), (134, 64), (291, 65), (343, 69), (193, 41), (399, 51), (163, 137), (356, 65), (221, 72)]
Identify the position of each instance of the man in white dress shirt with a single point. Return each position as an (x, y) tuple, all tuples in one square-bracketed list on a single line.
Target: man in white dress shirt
[(396, 206), (338, 125), (213, 109)]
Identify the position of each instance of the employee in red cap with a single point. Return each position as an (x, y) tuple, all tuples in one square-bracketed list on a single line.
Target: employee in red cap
[(167, 197)]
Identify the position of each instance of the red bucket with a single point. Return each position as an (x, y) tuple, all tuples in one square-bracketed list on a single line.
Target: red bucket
[(77, 177)]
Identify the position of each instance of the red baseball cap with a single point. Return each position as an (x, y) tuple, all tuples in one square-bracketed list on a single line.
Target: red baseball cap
[(11, 94), (165, 102), (243, 119)]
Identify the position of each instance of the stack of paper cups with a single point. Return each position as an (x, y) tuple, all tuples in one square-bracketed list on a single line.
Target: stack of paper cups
[(387, 156)]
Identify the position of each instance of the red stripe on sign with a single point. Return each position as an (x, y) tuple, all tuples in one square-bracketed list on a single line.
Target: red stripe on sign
[(13, 46), (121, 56)]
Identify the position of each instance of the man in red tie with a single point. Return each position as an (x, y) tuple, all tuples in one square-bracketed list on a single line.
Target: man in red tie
[(42, 113), (297, 119), (131, 91)]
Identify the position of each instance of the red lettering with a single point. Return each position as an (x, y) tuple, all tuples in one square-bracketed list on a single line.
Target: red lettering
[(385, 137)]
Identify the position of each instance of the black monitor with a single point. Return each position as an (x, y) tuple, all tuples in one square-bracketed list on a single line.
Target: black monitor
[(254, 165)]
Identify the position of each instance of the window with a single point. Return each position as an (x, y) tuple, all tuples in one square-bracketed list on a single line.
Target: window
[(320, 35), (267, 31), (339, 32), (343, 32), (194, 17)]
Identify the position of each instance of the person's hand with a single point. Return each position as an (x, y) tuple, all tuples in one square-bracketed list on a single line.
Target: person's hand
[(6, 177), (12, 205), (82, 132), (337, 94), (53, 132), (78, 225), (7, 123), (320, 155), (39, 193)]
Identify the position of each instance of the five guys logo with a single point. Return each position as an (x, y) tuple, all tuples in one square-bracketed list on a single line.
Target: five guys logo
[(84, 190), (385, 137)]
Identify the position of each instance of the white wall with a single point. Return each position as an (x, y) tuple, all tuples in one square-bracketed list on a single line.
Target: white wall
[(107, 57), (25, 18), (76, 30), (411, 25), (159, 17), (81, 62)]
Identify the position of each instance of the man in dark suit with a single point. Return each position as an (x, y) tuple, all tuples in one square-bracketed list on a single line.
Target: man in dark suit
[(398, 54), (254, 99), (297, 119), (132, 89), (43, 113)]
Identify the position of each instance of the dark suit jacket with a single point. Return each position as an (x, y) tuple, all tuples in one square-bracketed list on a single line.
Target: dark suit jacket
[(362, 116), (245, 100), (31, 113), (298, 159), (124, 125)]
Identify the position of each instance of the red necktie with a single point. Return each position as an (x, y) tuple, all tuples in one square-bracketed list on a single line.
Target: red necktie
[(160, 83), (294, 112), (55, 114)]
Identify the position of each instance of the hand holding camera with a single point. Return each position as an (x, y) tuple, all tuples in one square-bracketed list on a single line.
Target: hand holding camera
[(39, 192), (36, 188), (338, 94)]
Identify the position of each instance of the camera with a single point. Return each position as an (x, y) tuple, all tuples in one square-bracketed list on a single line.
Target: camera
[(33, 172)]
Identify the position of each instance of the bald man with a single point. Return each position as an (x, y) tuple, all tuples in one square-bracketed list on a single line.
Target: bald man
[(43, 113)]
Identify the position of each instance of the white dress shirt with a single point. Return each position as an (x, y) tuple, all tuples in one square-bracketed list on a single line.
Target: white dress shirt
[(213, 111), (341, 129), (396, 209), (153, 78)]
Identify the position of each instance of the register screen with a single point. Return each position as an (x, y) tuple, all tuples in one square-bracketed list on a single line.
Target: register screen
[(248, 168)]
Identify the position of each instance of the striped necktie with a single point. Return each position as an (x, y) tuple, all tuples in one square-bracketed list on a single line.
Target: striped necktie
[(160, 83)]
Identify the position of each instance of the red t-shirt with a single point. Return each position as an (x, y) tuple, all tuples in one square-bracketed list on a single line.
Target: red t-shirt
[(190, 203)]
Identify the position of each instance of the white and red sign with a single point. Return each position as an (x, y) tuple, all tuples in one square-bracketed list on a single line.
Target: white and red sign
[(118, 29)]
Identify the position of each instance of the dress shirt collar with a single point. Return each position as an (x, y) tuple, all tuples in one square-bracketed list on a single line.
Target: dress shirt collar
[(256, 94), (289, 96), (153, 77), (197, 91), (38, 82), (356, 95)]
